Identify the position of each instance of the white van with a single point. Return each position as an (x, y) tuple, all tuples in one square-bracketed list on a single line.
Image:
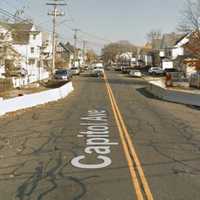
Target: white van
[(97, 69)]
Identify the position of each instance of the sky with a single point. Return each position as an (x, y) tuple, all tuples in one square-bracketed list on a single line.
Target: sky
[(103, 21)]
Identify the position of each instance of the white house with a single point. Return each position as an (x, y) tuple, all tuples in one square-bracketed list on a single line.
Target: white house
[(127, 58), (26, 40), (5, 40), (47, 50), (178, 49)]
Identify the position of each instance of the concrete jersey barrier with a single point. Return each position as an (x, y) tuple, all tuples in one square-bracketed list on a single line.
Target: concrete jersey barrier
[(31, 100), (175, 96)]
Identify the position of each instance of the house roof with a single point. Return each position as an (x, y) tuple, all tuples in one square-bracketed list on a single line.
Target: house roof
[(5, 25), (181, 38), (67, 47), (169, 40), (20, 31)]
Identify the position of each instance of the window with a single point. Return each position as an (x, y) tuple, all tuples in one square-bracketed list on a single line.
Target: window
[(1, 36), (31, 61), (32, 49), (2, 62), (34, 37)]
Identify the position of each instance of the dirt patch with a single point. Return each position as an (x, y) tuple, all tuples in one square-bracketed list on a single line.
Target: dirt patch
[(30, 89)]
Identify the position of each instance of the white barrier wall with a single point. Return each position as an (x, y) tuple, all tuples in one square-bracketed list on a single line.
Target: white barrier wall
[(183, 97), (30, 100)]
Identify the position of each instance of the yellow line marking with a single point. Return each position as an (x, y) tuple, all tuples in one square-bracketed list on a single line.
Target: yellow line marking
[(128, 157), (126, 137)]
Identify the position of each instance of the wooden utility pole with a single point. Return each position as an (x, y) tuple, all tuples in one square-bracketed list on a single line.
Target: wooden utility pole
[(84, 49), (75, 43), (55, 13)]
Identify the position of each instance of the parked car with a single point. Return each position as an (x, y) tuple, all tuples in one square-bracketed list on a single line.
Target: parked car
[(126, 69), (63, 75), (97, 70), (156, 71), (169, 70), (117, 67), (85, 67), (75, 70), (135, 73), (194, 80)]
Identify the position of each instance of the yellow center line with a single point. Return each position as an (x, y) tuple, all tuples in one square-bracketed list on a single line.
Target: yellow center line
[(124, 135), (128, 157)]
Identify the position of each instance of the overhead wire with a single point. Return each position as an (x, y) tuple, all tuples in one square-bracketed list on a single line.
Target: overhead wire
[(83, 33)]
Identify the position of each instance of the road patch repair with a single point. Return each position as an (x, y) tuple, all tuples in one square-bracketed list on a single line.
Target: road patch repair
[(97, 141), (31, 100)]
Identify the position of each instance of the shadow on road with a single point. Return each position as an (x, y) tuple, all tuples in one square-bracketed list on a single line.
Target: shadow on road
[(145, 93)]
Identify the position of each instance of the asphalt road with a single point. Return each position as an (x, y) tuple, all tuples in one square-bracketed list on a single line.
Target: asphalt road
[(40, 148)]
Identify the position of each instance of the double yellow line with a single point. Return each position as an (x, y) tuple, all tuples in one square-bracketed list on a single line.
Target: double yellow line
[(139, 180)]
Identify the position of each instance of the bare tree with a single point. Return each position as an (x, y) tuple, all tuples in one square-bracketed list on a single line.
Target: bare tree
[(91, 56), (190, 24), (154, 35), (190, 17), (110, 51)]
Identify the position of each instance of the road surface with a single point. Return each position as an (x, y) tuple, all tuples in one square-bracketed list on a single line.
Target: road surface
[(108, 140)]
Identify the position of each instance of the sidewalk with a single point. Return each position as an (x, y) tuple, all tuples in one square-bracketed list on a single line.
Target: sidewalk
[(178, 86)]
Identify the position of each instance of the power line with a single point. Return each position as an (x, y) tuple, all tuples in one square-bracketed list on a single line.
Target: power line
[(69, 14), (91, 35), (95, 36), (10, 15)]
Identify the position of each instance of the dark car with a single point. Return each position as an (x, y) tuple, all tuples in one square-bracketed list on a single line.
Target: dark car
[(117, 67), (169, 70), (126, 69), (63, 75)]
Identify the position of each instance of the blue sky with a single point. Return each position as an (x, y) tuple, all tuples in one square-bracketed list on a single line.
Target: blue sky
[(111, 20)]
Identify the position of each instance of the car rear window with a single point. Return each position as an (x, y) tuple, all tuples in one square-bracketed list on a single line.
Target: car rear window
[(61, 72)]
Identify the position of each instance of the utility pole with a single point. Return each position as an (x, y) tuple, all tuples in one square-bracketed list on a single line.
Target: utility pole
[(84, 49), (55, 13), (75, 43)]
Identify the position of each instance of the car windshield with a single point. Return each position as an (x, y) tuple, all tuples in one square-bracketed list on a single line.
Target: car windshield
[(171, 70)]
